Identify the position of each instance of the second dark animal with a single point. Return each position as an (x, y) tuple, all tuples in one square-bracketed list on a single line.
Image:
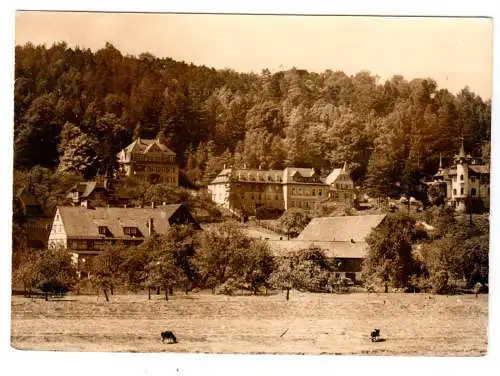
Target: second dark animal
[(375, 335), (169, 336)]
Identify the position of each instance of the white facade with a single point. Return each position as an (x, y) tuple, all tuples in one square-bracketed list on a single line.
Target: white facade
[(276, 189), (465, 180)]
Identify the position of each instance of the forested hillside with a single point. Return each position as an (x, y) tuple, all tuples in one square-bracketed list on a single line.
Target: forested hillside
[(75, 109)]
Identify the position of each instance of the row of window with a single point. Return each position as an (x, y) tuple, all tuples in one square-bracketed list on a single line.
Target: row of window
[(473, 191), (259, 177), (472, 179), (301, 204), (170, 169), (307, 191), (153, 158), (57, 229), (305, 179), (343, 186), (92, 244), (168, 179), (261, 197)]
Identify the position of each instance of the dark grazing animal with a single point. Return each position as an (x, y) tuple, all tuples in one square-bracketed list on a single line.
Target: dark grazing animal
[(169, 336), (375, 335)]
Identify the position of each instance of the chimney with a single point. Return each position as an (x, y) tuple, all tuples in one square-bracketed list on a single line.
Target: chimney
[(164, 203), (150, 226), (125, 206), (244, 166), (224, 166), (152, 204)]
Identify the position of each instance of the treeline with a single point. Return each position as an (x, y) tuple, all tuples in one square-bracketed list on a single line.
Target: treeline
[(223, 259), (75, 109), (454, 255), (401, 255)]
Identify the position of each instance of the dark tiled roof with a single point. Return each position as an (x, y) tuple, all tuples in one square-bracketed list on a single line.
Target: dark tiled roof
[(290, 172), (340, 228), (142, 146), (80, 222), (281, 248), (480, 169), (249, 175), (86, 188)]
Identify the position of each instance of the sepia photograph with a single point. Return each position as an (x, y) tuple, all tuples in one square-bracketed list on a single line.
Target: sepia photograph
[(251, 184)]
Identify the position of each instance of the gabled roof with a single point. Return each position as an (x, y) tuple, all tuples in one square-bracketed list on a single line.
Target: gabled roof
[(289, 172), (475, 169), (330, 179), (308, 173), (281, 248), (80, 222), (222, 177), (480, 169), (86, 188), (142, 146), (345, 228)]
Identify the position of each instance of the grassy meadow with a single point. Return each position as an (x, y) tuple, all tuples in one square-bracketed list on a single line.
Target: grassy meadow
[(411, 324)]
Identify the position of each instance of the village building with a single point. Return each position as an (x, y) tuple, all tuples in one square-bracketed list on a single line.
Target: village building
[(342, 239), (85, 232), (303, 188), (37, 223), (248, 189), (341, 185), (150, 160), (89, 193), (465, 180)]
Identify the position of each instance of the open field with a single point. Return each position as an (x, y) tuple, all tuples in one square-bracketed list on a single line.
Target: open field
[(411, 324)]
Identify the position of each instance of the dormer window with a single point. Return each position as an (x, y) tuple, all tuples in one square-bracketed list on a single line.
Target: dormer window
[(131, 231), (103, 230)]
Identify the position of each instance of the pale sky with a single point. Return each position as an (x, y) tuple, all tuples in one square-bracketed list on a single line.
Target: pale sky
[(456, 52)]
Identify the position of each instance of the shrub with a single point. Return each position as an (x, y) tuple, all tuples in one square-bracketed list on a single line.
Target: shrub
[(439, 282)]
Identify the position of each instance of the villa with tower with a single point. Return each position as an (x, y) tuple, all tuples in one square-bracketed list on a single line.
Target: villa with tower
[(464, 180)]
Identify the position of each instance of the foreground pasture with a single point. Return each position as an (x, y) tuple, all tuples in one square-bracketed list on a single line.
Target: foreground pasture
[(411, 324)]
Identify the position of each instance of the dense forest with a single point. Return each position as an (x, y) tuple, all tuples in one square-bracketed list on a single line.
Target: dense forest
[(75, 109)]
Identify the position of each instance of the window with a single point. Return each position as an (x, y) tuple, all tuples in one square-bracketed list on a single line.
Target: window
[(462, 190), (276, 197), (461, 177), (454, 192), (131, 231), (293, 191), (102, 230), (320, 192), (473, 179), (473, 191)]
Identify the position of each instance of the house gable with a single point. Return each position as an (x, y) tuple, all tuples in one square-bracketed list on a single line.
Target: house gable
[(58, 234)]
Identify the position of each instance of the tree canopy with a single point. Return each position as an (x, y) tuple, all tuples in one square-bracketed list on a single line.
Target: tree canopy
[(72, 101)]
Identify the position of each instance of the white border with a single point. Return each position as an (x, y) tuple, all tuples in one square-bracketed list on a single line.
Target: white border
[(41, 363)]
